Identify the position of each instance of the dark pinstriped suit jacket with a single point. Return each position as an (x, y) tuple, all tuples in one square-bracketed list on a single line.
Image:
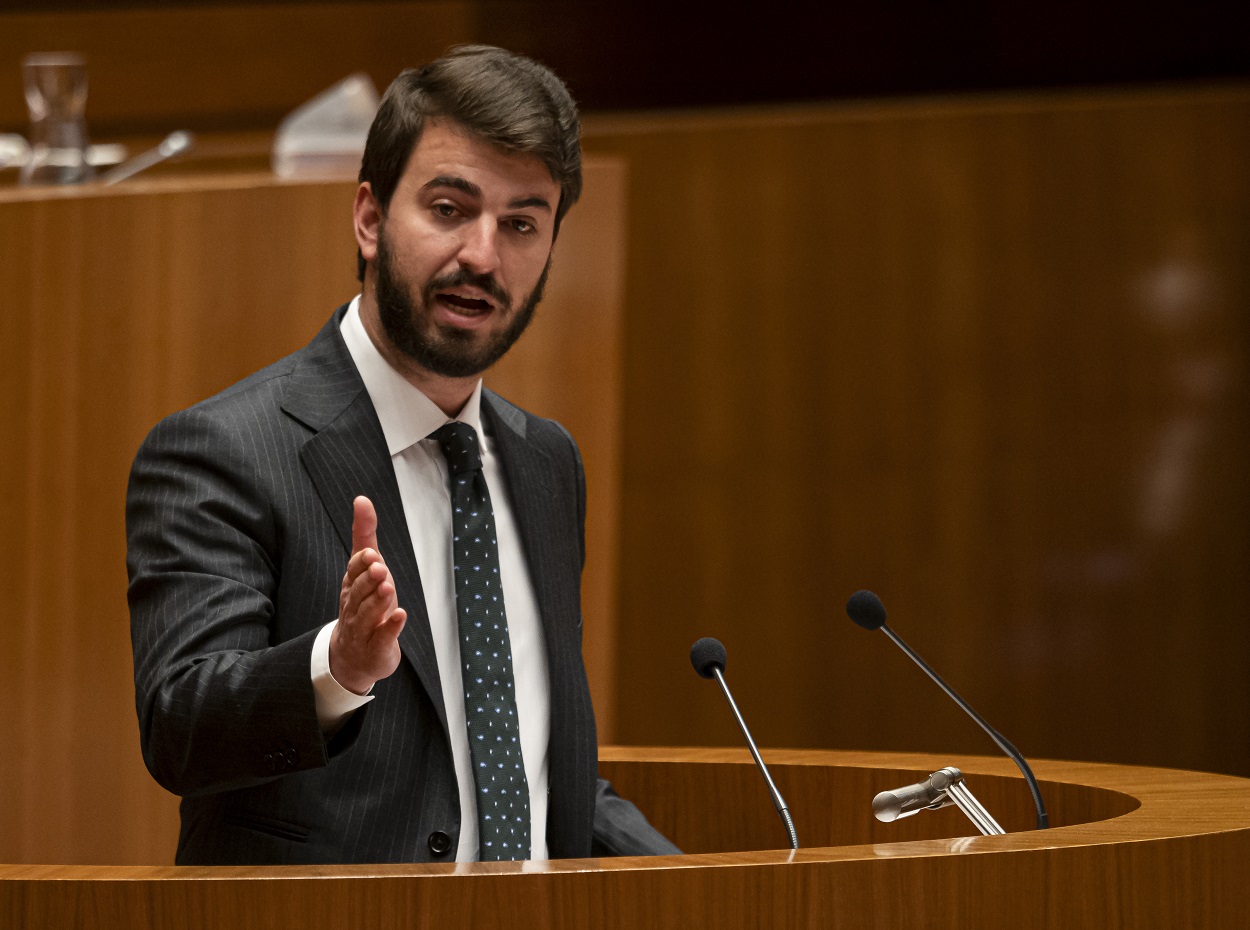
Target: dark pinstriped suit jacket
[(239, 530)]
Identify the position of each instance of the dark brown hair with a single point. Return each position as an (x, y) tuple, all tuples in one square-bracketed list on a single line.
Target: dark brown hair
[(505, 99)]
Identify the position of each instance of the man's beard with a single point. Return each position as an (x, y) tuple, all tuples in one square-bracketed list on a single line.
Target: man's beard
[(446, 350)]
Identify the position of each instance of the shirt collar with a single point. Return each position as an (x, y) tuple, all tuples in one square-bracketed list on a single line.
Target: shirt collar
[(407, 416)]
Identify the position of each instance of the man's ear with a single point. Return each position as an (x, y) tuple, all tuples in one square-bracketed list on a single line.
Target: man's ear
[(366, 217)]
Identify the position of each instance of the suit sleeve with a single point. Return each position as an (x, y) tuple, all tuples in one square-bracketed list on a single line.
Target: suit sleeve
[(220, 704), (622, 830)]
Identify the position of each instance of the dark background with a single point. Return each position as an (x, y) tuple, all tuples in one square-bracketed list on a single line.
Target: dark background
[(622, 56)]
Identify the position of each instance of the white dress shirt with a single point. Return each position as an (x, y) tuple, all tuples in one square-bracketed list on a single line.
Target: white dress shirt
[(408, 417)]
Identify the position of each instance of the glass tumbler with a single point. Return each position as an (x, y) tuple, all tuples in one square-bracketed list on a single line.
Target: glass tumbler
[(56, 95)]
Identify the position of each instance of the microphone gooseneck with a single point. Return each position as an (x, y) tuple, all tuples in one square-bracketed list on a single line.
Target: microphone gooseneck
[(866, 610), (708, 658)]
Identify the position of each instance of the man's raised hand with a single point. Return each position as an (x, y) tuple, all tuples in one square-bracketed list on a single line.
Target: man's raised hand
[(365, 644)]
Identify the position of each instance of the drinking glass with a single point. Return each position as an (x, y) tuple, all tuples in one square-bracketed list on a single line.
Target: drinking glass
[(56, 95)]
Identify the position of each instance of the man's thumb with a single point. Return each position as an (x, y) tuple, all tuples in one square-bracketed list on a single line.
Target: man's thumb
[(364, 525)]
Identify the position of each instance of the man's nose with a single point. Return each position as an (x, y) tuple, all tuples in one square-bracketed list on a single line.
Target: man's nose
[(479, 251)]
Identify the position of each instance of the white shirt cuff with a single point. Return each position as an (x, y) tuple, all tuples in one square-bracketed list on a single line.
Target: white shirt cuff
[(334, 702)]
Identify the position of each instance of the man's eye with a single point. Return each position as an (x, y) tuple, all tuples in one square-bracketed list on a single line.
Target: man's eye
[(523, 226), (444, 209)]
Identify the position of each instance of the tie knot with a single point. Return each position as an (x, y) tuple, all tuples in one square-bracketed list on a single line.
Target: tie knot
[(460, 447)]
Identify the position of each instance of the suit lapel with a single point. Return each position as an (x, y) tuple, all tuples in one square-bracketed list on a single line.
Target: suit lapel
[(542, 494), (528, 470), (346, 457)]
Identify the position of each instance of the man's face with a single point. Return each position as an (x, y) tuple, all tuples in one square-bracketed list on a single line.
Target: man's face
[(462, 254)]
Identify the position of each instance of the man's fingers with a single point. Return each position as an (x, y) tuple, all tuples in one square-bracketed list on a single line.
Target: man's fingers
[(364, 559), (386, 635), (364, 525), (364, 646), (356, 611)]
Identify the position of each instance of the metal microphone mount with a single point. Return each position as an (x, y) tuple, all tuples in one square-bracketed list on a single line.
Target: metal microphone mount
[(944, 787)]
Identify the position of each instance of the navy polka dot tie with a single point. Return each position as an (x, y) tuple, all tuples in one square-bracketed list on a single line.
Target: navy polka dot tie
[(503, 798)]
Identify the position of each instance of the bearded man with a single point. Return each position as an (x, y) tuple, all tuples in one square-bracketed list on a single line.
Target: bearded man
[(355, 575)]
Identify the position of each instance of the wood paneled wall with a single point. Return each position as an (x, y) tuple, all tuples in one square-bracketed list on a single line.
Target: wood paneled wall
[(118, 309), (118, 306), (153, 69), (988, 357)]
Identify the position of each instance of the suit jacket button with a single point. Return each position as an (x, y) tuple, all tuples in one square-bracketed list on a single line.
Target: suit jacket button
[(440, 843), (292, 757), (269, 761)]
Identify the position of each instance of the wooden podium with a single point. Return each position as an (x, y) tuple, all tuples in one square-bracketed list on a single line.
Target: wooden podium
[(1131, 847)]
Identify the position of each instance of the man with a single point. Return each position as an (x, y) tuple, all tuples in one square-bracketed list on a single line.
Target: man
[(354, 576)]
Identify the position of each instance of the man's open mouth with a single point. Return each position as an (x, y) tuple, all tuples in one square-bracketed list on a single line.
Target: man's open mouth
[(469, 306)]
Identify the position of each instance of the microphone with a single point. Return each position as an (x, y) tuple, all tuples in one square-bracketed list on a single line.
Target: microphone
[(708, 658), (866, 610), (889, 806), (941, 789)]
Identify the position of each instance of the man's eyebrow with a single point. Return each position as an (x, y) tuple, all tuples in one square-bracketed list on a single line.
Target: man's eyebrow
[(454, 182), (458, 183), (524, 203)]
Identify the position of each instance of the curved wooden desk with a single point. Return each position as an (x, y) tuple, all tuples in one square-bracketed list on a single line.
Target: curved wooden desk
[(1133, 847)]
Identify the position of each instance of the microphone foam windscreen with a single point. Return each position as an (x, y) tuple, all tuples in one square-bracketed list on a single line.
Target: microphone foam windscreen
[(706, 655), (866, 609)]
